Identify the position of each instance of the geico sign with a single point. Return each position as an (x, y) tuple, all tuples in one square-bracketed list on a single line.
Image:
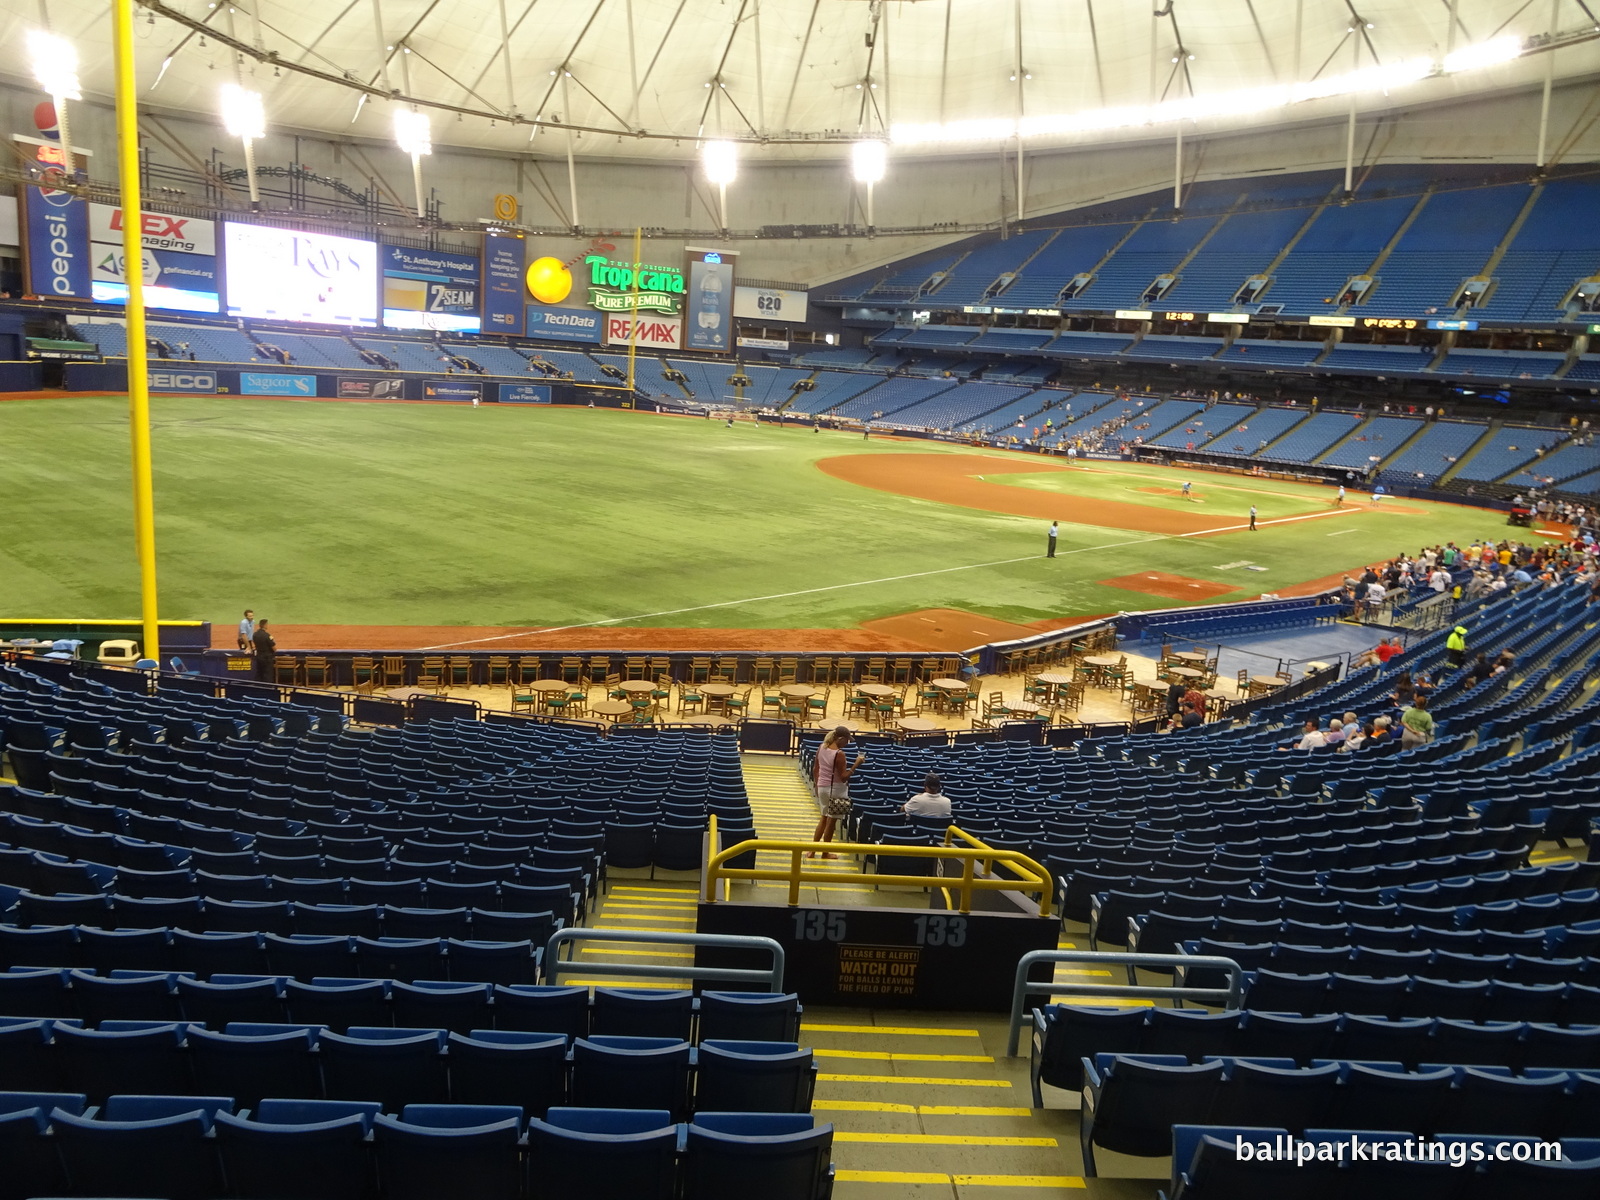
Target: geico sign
[(172, 381)]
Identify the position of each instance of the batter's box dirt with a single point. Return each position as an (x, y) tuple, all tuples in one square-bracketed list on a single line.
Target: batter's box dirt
[(1170, 587)]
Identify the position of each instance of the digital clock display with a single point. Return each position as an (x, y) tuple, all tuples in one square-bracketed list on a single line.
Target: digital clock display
[(1388, 323), (1179, 316)]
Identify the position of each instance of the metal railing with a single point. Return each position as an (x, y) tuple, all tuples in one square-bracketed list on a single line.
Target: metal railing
[(555, 966), (1229, 997), (1031, 876)]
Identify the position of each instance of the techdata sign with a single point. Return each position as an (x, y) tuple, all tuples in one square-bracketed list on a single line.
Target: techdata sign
[(167, 379), (563, 324), (709, 320), (450, 389), (429, 289), (502, 283), (179, 254), (655, 333), (524, 393), (57, 243), (263, 383)]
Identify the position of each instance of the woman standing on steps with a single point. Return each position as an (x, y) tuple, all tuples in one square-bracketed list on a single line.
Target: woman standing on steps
[(833, 784)]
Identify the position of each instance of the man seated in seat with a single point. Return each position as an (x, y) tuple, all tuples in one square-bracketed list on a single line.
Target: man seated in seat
[(931, 801), (1313, 739), (1386, 649)]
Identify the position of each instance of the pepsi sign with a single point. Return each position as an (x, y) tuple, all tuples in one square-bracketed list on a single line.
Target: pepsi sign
[(57, 243)]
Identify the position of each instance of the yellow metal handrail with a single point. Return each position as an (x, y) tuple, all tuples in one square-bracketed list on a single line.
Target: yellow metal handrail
[(1031, 876)]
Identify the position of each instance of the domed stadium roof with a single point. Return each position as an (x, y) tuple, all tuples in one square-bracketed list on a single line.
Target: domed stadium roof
[(653, 78)]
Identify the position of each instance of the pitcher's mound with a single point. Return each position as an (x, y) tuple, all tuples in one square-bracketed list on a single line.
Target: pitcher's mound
[(1170, 587)]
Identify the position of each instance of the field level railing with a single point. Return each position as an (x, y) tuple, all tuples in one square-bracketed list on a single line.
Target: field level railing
[(1029, 877)]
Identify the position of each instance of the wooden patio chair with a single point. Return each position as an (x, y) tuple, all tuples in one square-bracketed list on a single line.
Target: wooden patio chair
[(316, 665), (432, 673), (365, 673)]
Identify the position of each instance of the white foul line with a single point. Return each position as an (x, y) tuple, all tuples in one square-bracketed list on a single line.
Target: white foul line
[(1332, 512), (833, 587)]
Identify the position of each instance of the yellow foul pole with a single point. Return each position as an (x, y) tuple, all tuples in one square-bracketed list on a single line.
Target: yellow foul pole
[(144, 521), (633, 333)]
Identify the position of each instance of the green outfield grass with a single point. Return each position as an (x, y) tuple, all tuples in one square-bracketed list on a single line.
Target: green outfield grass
[(431, 514)]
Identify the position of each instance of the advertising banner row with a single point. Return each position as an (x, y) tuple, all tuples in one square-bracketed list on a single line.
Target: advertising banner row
[(585, 293), (185, 378)]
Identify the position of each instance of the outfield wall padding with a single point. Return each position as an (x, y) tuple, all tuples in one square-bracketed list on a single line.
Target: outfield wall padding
[(21, 376)]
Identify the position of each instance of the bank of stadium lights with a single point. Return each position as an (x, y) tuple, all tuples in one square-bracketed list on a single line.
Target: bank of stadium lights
[(868, 162), (414, 135), (55, 65), (244, 118), (1484, 54), (720, 161), (1242, 102)]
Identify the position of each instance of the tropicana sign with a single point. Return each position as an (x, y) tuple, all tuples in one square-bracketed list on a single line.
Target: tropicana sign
[(612, 284)]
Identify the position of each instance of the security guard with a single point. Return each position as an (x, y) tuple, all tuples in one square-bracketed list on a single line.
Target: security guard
[(1456, 645)]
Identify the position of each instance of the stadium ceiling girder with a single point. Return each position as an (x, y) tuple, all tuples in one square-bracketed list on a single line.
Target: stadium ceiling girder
[(650, 78)]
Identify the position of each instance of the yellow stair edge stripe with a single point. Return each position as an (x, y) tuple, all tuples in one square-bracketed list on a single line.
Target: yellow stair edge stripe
[(918, 1110), (623, 981), (639, 954), (919, 1080), (1015, 1181), (940, 1139), (908, 1030), (889, 1056)]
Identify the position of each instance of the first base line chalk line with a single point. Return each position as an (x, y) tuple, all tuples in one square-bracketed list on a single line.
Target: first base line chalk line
[(833, 587)]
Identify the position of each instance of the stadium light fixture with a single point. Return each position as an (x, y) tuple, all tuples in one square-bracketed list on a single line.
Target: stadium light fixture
[(1484, 54), (55, 65), (414, 136), (720, 161), (244, 118), (1241, 102), (868, 162)]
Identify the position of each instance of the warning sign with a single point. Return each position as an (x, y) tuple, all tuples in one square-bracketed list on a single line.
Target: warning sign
[(878, 970)]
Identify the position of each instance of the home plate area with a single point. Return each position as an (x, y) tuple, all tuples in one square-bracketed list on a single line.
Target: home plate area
[(1170, 587)]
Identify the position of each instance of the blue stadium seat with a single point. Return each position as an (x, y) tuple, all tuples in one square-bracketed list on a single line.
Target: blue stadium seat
[(763, 1077), (603, 1154), (216, 1004), (27, 1058), (32, 1167), (610, 1071), (393, 1066), (436, 1150), (173, 1157), (750, 1016), (278, 1153), (39, 993), (492, 962), (338, 1003), (541, 1009), (788, 1154), (433, 1004), (639, 1013), (491, 1066), (103, 1063), (253, 1066)]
